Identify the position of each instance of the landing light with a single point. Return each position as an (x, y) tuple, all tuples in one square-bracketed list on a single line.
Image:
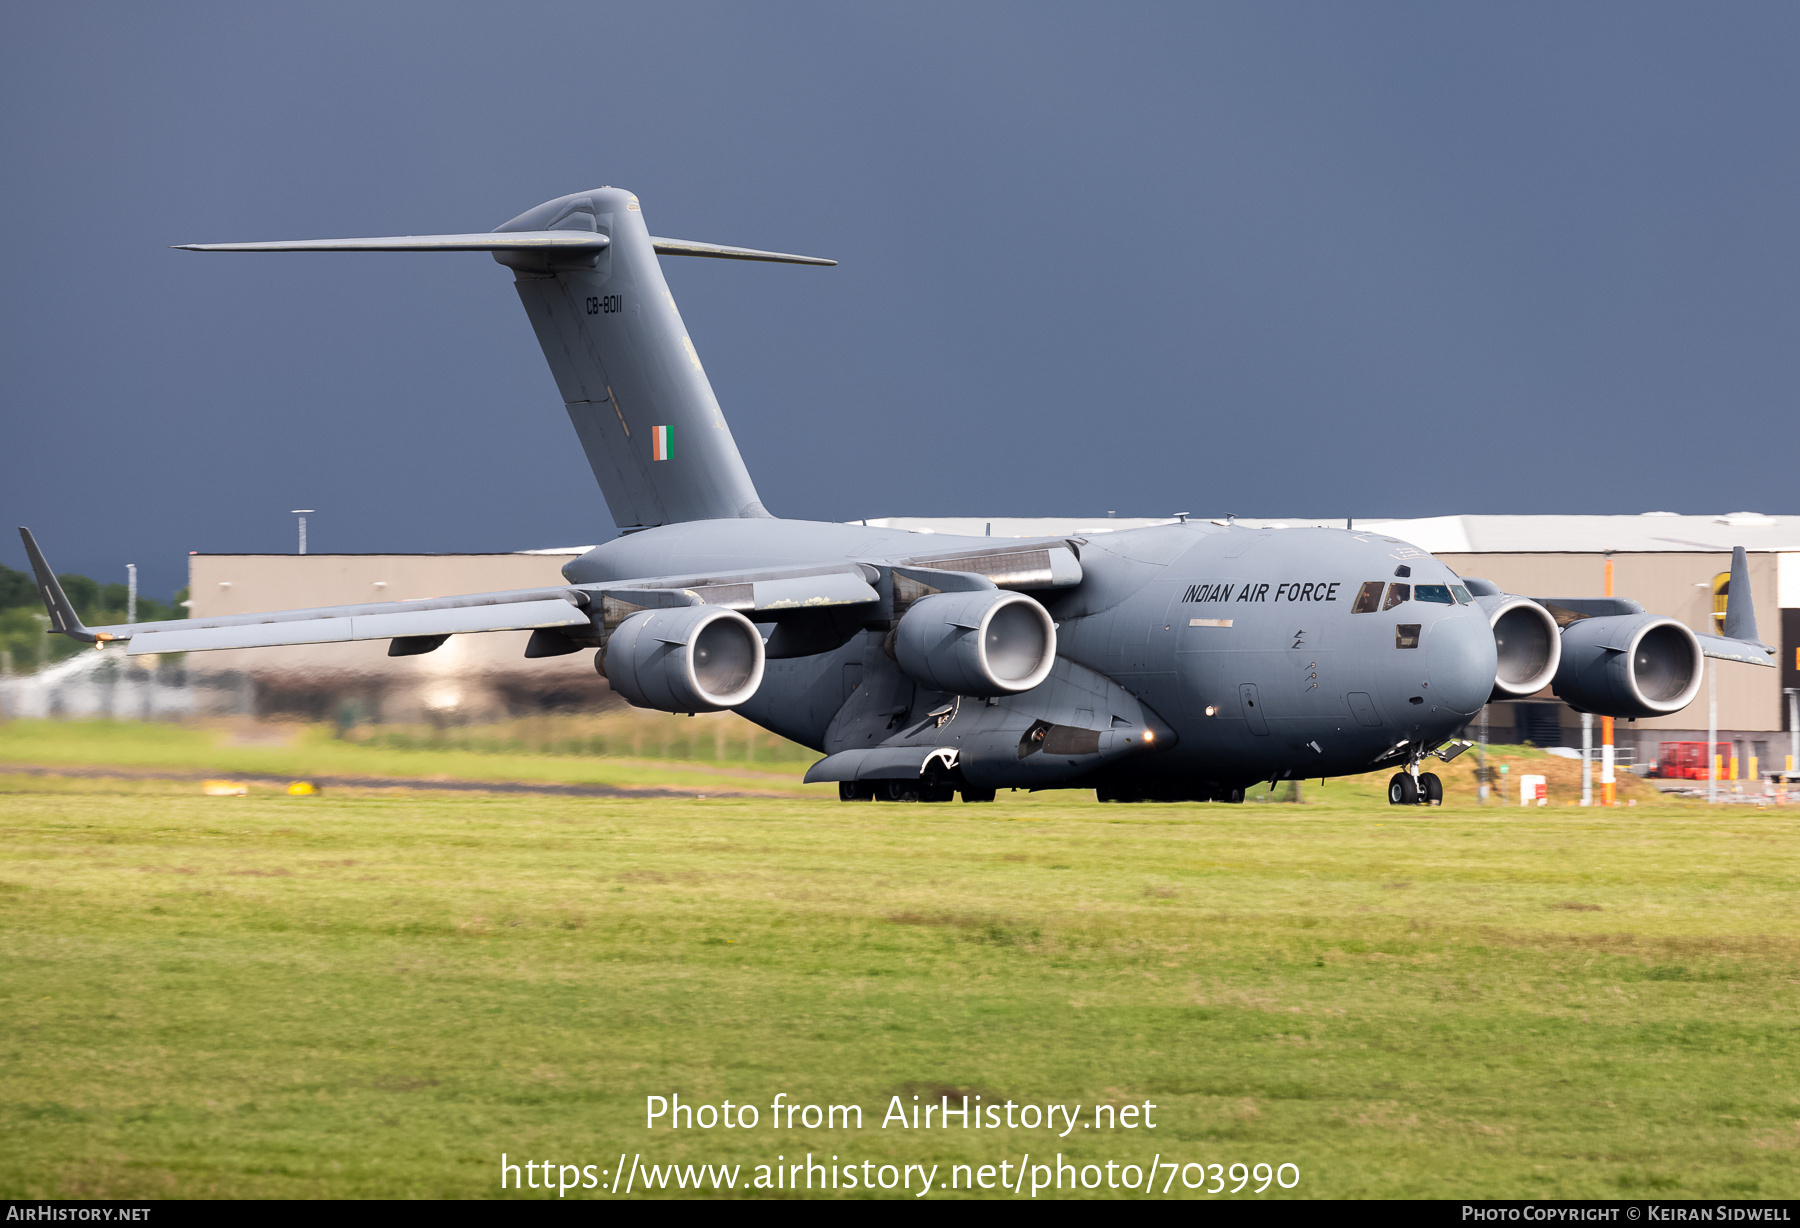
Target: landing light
[(1210, 710), (1149, 735)]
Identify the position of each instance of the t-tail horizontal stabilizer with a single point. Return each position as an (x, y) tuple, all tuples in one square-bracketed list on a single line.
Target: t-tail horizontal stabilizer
[(687, 247), (63, 618), (552, 241), (519, 241), (586, 270)]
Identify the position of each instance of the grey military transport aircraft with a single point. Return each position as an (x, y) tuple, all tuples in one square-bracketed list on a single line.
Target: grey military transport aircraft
[(1177, 662)]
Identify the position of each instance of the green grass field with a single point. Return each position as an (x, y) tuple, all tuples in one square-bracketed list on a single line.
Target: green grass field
[(303, 751), (376, 994)]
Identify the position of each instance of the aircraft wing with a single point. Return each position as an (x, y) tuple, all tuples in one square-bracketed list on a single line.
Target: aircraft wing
[(579, 611), (402, 619), (1740, 641), (1750, 652), (768, 594), (583, 613), (570, 609)]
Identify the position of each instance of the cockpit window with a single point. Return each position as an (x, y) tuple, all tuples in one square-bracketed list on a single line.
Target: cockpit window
[(1368, 598), (1397, 594), (1462, 595), (1438, 594), (1406, 635)]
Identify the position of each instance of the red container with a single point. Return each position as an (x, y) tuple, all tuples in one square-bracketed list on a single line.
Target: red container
[(1687, 760)]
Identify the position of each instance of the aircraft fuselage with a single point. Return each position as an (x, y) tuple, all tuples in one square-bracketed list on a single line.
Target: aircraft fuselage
[(1247, 649)]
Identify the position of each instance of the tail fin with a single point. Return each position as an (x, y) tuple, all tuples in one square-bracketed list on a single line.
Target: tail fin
[(63, 618), (586, 270), (629, 375)]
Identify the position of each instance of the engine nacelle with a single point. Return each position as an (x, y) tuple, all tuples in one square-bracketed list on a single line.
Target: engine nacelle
[(982, 643), (1527, 642), (1629, 665), (695, 658)]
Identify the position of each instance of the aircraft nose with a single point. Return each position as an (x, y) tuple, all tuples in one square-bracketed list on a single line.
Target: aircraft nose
[(1463, 661)]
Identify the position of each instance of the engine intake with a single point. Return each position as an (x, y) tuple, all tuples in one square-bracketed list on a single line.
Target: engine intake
[(981, 643), (688, 659), (1528, 644), (1629, 665)]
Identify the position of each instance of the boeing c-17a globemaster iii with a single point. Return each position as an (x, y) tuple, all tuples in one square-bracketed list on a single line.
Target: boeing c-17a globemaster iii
[(1176, 662)]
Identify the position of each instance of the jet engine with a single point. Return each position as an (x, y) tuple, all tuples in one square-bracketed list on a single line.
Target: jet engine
[(695, 658), (1628, 665), (981, 643), (1528, 645)]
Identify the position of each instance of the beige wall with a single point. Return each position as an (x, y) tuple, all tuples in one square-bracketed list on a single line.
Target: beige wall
[(1678, 585), (454, 679)]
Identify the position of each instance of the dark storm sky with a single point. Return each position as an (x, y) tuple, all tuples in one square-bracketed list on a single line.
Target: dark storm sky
[(1288, 259)]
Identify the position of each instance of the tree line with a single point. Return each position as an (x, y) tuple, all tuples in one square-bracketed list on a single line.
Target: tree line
[(24, 645)]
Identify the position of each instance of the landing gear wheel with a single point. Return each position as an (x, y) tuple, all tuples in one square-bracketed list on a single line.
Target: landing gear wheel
[(1233, 795), (897, 791), (978, 795), (1402, 791), (852, 791), (1431, 789), (937, 793)]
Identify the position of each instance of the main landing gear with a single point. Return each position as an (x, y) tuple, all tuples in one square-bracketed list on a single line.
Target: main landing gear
[(1415, 788)]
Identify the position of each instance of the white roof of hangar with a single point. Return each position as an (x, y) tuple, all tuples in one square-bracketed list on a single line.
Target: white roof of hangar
[(1650, 532)]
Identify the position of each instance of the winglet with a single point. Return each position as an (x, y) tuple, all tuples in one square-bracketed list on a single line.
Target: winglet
[(1740, 611), (63, 618), (1739, 641)]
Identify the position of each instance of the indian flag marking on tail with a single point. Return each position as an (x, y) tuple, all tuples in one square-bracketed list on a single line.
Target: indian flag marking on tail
[(659, 443)]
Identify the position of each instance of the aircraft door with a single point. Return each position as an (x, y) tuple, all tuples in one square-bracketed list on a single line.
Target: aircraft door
[(1251, 703)]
